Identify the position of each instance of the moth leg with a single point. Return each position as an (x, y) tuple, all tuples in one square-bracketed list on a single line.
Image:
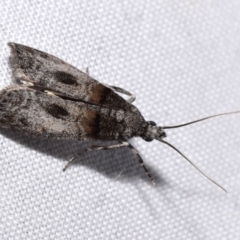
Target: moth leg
[(134, 150), (121, 90), (73, 159), (121, 144), (94, 148), (140, 160)]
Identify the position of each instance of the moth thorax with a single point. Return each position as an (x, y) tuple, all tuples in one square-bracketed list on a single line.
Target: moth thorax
[(153, 132)]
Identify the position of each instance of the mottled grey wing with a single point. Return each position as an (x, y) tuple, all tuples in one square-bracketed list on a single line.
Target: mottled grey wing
[(37, 113), (51, 73)]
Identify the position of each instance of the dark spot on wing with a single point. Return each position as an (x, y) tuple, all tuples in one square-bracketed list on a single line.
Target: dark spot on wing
[(43, 130), (56, 111), (8, 119), (91, 124), (95, 125), (43, 55), (23, 121), (100, 94), (65, 78), (18, 51), (25, 62), (38, 67), (105, 94)]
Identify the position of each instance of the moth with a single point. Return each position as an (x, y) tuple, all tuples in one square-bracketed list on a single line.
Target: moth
[(52, 99)]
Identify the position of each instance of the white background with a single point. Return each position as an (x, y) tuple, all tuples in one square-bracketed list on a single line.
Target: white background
[(182, 60)]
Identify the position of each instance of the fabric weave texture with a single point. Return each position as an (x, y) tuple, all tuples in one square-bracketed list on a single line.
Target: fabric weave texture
[(182, 61)]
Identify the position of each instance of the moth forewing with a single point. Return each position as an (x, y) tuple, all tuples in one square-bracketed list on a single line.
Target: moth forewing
[(48, 72), (46, 115)]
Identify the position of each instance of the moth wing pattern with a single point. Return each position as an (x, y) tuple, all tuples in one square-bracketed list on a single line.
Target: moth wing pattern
[(45, 71), (39, 114)]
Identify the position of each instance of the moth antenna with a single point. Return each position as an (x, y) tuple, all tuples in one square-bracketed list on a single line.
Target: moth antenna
[(193, 165), (199, 120)]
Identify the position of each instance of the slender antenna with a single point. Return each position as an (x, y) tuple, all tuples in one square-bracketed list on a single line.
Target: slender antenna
[(193, 164), (199, 120)]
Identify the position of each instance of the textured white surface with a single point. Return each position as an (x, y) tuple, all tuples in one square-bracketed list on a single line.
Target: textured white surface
[(182, 61)]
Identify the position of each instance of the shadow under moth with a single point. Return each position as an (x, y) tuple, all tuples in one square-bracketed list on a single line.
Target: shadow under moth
[(52, 99)]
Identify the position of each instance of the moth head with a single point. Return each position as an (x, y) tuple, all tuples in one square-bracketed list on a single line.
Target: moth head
[(154, 132)]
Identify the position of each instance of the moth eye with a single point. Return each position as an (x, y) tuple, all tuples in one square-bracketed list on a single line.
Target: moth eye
[(148, 139), (152, 123)]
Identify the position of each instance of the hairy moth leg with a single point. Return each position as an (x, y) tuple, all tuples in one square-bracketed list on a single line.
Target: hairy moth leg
[(140, 160), (95, 148)]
